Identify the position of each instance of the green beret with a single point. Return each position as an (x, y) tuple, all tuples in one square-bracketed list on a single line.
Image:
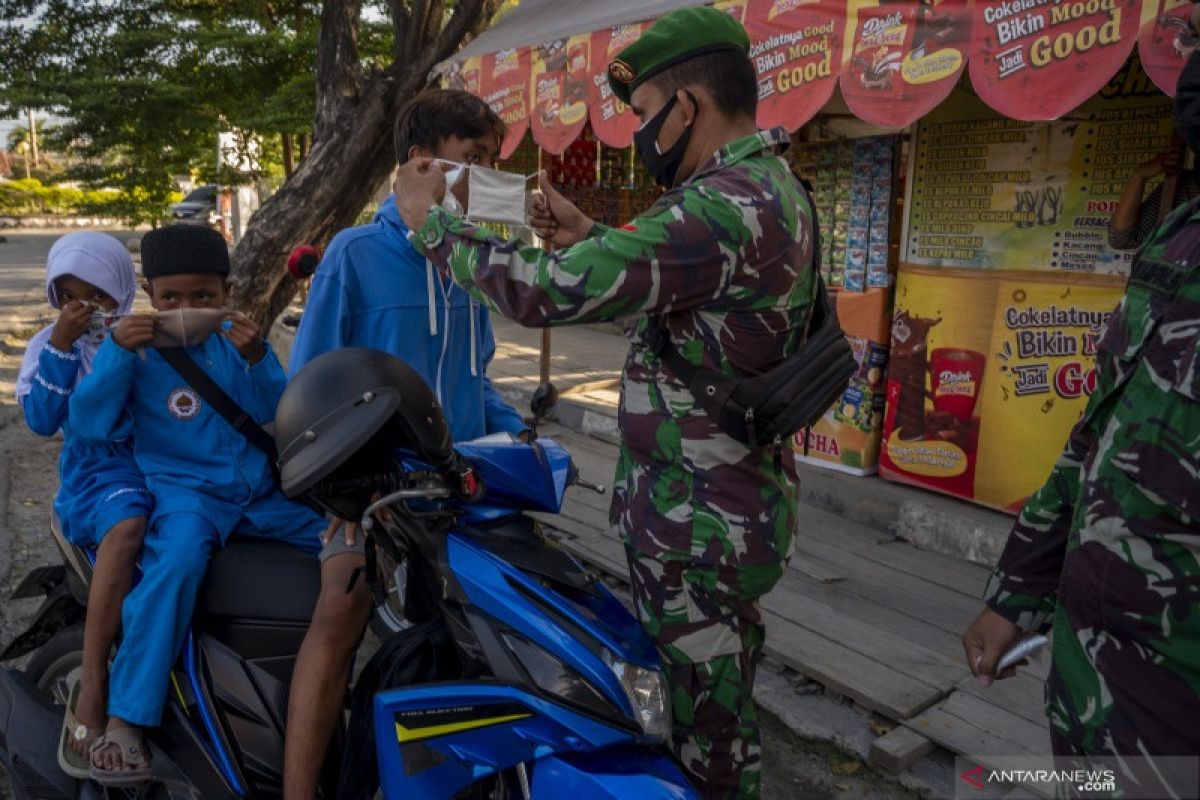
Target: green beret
[(676, 37)]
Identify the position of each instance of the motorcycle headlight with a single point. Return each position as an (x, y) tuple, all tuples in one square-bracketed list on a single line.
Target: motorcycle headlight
[(553, 676), (647, 693)]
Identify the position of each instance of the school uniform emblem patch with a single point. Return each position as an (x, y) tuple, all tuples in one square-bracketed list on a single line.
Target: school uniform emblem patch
[(183, 404)]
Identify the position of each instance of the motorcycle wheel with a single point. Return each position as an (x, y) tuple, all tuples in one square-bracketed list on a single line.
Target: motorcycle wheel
[(53, 663)]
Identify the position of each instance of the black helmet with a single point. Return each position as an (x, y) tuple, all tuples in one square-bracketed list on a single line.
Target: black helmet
[(346, 409)]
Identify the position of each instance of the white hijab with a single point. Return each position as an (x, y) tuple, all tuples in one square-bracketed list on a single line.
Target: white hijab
[(98, 259)]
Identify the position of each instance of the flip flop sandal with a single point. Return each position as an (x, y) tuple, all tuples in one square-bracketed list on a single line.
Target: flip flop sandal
[(132, 747), (70, 761)]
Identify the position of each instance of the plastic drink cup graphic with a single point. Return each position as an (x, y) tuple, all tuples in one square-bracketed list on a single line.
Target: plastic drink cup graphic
[(956, 375)]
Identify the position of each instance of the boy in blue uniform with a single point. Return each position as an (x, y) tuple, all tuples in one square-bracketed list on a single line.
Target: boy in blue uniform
[(373, 289), (102, 501), (207, 479)]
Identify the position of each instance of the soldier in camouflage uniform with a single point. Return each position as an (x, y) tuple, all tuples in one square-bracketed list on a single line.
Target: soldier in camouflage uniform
[(725, 259), (1107, 553)]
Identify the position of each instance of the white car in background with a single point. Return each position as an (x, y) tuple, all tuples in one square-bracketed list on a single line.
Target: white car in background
[(198, 208)]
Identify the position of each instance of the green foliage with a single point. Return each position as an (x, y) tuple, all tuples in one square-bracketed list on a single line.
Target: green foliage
[(33, 198), (145, 87)]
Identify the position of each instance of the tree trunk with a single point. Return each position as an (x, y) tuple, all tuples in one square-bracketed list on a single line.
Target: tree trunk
[(302, 144), (351, 153), (289, 160)]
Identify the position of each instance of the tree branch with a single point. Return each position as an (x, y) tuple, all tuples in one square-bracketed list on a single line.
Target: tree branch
[(338, 64), (470, 17), (401, 20)]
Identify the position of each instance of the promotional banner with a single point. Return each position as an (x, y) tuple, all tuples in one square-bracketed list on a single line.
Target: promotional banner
[(796, 47), (561, 72), (465, 75), (1038, 59), (1165, 42), (905, 59), (505, 87), (846, 438), (612, 120), (985, 191), (988, 374)]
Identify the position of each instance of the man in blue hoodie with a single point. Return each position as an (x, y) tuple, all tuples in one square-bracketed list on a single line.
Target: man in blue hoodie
[(373, 289)]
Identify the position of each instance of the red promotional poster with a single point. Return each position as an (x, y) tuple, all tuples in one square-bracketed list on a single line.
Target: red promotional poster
[(905, 59), (1036, 60), (561, 72), (1165, 43), (612, 120), (464, 75), (796, 47), (505, 88)]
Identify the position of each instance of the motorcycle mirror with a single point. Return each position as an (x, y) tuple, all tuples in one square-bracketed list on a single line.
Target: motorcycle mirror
[(545, 397)]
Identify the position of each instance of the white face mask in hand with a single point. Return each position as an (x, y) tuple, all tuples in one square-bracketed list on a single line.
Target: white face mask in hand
[(492, 195)]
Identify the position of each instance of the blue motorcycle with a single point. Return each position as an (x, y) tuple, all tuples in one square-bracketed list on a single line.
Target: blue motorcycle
[(512, 671)]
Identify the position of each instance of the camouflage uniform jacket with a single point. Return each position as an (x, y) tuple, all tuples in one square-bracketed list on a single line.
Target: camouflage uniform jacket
[(726, 260), (1114, 534)]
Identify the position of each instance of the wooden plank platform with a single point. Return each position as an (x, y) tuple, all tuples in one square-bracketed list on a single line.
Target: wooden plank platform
[(871, 618)]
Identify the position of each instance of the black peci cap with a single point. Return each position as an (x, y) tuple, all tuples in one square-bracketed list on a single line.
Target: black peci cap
[(184, 250)]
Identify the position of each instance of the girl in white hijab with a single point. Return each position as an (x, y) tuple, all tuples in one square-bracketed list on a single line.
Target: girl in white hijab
[(102, 501)]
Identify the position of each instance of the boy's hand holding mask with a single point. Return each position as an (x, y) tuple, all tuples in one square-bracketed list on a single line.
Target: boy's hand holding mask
[(242, 331), (135, 331)]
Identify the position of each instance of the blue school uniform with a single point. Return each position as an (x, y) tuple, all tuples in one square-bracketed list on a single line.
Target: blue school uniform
[(373, 289), (208, 482), (100, 484)]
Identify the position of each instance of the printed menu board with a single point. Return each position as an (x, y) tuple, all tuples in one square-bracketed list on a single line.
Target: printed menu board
[(986, 191)]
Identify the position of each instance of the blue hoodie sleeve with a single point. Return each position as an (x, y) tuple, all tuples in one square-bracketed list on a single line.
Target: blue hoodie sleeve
[(98, 405), (325, 324), (499, 415), (49, 399)]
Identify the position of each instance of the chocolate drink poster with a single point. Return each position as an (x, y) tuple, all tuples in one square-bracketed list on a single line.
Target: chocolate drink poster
[(988, 373), (559, 81), (904, 59), (1166, 41), (1039, 59)]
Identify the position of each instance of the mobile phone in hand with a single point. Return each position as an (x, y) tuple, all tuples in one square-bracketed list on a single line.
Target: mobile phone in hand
[(1022, 649)]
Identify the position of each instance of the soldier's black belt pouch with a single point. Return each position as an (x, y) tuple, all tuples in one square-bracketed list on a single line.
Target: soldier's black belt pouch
[(769, 408)]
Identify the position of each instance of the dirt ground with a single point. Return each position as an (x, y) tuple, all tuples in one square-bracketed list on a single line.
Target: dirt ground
[(28, 481)]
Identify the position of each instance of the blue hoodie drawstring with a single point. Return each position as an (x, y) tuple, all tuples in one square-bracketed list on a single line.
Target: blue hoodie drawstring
[(473, 306), (429, 279)]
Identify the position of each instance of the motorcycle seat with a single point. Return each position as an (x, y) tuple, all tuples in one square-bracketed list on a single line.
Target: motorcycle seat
[(261, 581)]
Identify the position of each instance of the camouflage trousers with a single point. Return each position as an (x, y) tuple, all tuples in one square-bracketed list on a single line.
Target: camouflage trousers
[(1122, 695), (709, 630)]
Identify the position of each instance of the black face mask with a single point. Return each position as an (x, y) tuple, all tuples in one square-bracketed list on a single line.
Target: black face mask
[(663, 167)]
